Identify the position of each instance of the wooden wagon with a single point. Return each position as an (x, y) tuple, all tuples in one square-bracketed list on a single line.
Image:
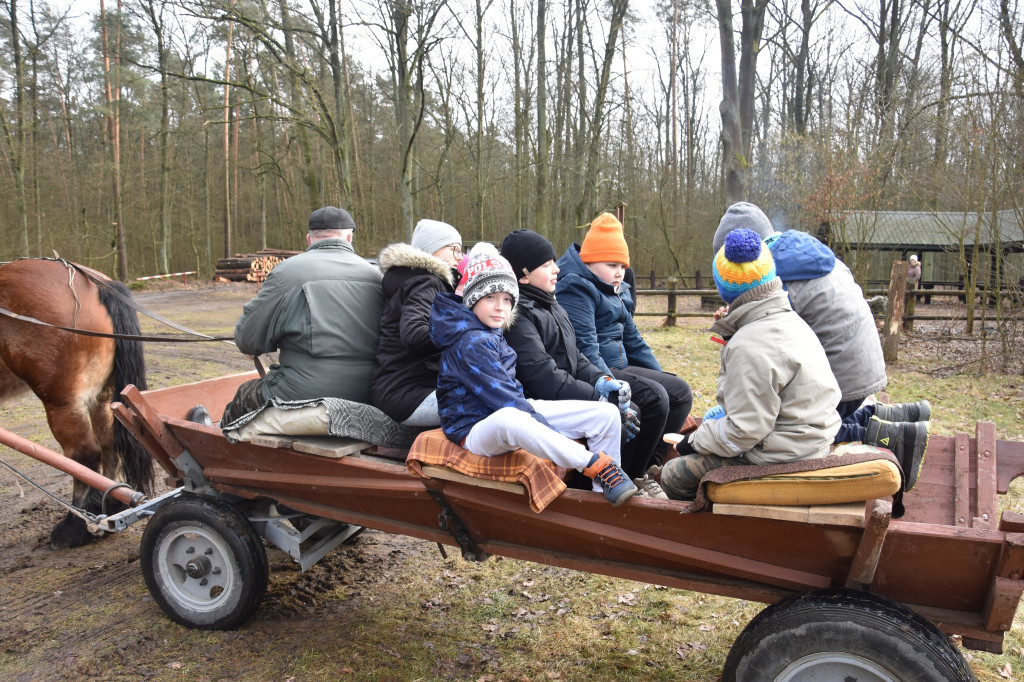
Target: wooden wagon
[(853, 593)]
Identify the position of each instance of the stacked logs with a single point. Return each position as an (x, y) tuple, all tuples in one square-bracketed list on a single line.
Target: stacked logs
[(250, 267)]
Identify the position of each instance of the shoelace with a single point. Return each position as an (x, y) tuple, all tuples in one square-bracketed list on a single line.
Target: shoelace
[(610, 476)]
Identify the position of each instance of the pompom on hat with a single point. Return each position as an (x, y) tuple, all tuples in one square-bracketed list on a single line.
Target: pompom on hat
[(742, 264), (488, 273), (605, 242)]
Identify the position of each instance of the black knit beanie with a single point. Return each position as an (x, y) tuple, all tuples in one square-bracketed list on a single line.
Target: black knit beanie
[(526, 251)]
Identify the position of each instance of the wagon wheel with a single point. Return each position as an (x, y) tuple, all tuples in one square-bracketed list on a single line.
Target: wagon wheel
[(837, 634), (203, 563)]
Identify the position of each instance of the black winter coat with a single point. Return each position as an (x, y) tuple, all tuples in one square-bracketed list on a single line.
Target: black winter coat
[(407, 360), (549, 365)]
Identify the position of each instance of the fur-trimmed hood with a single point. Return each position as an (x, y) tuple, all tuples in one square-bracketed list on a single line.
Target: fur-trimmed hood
[(401, 255)]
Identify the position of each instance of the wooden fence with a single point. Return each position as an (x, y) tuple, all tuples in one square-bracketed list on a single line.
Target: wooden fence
[(710, 301)]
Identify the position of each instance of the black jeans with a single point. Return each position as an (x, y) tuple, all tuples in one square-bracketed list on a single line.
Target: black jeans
[(663, 402)]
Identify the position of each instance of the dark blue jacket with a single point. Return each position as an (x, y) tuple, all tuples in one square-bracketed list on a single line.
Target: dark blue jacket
[(477, 376), (601, 318)]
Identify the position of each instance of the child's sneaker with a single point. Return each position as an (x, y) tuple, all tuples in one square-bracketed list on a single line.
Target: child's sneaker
[(649, 488), (617, 486), (906, 440), (921, 411)]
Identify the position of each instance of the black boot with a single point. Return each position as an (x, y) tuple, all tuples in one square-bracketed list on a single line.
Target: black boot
[(199, 415), (921, 411), (906, 440)]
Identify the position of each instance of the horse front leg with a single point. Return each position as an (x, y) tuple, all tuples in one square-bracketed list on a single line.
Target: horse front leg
[(72, 428), (72, 531)]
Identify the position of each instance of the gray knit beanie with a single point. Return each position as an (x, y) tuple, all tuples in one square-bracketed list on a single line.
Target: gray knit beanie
[(431, 235), (742, 214)]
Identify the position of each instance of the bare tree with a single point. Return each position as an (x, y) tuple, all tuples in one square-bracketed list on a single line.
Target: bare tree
[(113, 99), (15, 138), (588, 201), (155, 13), (543, 142), (411, 30), (737, 107)]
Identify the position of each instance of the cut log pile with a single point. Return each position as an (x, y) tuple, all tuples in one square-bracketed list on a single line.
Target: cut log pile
[(250, 267)]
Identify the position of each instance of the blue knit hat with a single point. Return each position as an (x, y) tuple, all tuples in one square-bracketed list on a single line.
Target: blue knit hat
[(742, 264)]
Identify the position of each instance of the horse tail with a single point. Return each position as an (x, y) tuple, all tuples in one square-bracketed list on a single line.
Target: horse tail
[(129, 368)]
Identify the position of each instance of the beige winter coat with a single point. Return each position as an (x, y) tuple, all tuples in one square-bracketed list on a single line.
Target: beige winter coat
[(774, 383)]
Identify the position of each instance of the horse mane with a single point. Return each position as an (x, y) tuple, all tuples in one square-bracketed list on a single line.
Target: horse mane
[(129, 368)]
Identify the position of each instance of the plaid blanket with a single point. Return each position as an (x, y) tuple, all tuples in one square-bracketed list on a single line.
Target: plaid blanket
[(541, 478)]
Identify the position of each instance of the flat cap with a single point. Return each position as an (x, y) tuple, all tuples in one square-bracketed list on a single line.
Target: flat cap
[(331, 218)]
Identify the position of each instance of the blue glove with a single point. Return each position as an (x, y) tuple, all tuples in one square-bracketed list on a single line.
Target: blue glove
[(607, 386), (631, 423), (716, 412)]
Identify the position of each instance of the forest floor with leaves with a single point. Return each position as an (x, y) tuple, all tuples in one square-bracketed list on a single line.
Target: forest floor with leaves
[(390, 607)]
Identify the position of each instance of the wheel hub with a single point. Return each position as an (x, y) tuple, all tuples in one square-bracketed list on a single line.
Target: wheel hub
[(198, 567)]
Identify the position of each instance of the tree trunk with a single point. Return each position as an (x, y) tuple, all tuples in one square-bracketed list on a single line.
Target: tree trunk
[(309, 178), (737, 107), (164, 236), (113, 95), (17, 144), (543, 144), (619, 8), (520, 123), (226, 149)]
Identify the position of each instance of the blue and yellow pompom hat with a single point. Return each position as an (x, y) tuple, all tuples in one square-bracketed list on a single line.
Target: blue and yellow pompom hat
[(743, 263)]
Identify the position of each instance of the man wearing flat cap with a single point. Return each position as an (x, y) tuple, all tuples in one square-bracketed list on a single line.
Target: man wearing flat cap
[(321, 309)]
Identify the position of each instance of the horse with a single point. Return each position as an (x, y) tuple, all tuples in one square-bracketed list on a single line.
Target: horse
[(75, 376)]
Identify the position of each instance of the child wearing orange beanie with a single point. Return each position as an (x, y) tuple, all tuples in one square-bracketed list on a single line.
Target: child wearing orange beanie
[(592, 292)]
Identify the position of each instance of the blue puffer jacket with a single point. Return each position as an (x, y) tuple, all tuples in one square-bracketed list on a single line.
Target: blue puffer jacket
[(824, 293), (605, 331), (477, 375)]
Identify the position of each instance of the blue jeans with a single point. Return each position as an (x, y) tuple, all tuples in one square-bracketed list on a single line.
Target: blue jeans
[(855, 421)]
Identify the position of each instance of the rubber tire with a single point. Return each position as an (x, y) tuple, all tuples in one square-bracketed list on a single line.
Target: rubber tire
[(856, 626), (237, 559)]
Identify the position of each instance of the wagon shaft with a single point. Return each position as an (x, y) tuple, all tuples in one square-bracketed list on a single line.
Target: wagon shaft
[(79, 472)]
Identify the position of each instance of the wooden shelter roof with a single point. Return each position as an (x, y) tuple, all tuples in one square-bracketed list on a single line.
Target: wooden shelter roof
[(932, 230)]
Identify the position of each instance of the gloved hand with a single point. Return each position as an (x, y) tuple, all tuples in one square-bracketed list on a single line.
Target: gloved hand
[(631, 423), (607, 386), (685, 446), (716, 412)]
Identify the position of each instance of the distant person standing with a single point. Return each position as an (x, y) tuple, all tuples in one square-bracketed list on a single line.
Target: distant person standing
[(322, 310), (913, 274)]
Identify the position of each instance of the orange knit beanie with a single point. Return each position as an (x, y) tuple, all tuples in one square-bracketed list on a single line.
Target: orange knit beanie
[(605, 242)]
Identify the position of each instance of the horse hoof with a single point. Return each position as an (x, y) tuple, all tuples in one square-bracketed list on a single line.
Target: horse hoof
[(69, 533)]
